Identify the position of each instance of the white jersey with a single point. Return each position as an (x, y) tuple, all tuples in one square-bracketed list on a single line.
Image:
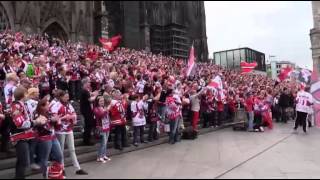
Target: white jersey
[(8, 94), (304, 101), (138, 109), (140, 86), (32, 106)]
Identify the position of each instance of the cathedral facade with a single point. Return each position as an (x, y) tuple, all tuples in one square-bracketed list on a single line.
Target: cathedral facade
[(168, 27)]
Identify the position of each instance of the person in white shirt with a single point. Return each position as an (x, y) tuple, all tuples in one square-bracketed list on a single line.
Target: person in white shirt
[(10, 86), (138, 108), (304, 101)]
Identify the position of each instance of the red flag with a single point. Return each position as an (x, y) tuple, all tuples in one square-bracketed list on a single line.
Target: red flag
[(112, 43), (247, 67), (285, 73), (191, 62)]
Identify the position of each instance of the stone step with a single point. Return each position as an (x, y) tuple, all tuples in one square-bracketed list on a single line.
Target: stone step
[(86, 154)]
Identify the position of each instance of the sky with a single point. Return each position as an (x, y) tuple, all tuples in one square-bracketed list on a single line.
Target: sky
[(276, 28)]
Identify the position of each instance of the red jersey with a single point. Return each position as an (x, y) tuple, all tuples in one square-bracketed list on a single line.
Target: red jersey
[(102, 119), (21, 118), (117, 113)]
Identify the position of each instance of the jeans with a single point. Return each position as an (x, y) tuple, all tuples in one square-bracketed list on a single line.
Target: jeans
[(70, 143), (161, 112), (250, 120), (23, 158), (49, 149), (138, 130), (174, 131), (33, 151), (102, 151)]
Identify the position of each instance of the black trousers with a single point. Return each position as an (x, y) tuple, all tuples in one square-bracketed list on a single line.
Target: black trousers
[(120, 136), (5, 134), (284, 114), (301, 120), (74, 87), (208, 119), (23, 158), (138, 131), (153, 134), (220, 118), (88, 127)]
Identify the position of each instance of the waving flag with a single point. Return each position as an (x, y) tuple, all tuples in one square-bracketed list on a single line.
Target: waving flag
[(112, 43), (247, 67), (216, 83), (285, 73), (315, 91), (305, 76), (191, 62)]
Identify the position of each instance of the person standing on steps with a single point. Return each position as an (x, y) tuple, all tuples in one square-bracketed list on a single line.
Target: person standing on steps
[(86, 99), (304, 101), (101, 113), (64, 130)]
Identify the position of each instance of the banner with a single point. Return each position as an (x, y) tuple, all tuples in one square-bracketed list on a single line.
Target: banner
[(247, 67)]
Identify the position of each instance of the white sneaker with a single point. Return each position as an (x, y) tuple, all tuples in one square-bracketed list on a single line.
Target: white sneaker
[(35, 167), (106, 158), (261, 129), (101, 160)]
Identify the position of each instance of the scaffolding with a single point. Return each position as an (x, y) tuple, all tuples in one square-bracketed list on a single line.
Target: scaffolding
[(170, 40)]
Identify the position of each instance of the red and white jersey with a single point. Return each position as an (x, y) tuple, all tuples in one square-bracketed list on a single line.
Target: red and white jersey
[(304, 101), (21, 116), (66, 125), (117, 113)]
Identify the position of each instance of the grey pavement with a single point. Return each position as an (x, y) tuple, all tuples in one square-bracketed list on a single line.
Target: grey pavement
[(221, 154)]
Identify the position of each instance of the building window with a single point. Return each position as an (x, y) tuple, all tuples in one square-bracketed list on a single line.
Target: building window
[(230, 59), (223, 59), (237, 59)]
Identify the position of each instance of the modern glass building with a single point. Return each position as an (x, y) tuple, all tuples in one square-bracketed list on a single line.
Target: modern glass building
[(231, 59)]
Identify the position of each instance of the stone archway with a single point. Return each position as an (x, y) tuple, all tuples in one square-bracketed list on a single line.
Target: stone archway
[(55, 30), (4, 19)]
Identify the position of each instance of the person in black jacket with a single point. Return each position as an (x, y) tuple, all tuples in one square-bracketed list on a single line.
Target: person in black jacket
[(284, 103)]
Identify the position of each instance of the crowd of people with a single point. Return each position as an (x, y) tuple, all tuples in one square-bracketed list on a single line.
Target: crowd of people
[(42, 78)]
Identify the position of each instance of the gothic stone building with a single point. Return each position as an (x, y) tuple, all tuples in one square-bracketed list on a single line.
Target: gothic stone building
[(315, 36), (167, 27)]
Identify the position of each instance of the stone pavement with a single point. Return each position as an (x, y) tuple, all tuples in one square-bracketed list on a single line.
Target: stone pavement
[(222, 154)]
